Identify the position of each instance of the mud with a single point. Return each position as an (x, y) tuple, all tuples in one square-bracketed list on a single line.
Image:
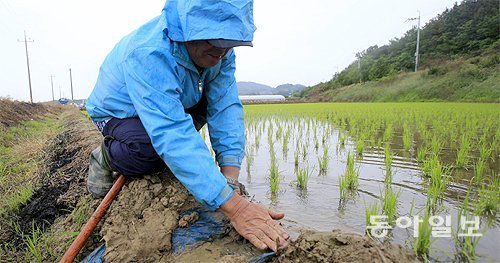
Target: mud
[(141, 220), (339, 246), (140, 223)]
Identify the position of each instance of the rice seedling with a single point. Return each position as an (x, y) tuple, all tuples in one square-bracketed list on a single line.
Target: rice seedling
[(342, 138), (323, 161), (438, 183), (286, 139), (274, 177), (485, 151), (303, 174), (249, 158), (422, 153), (489, 198), (316, 144), (279, 132), (296, 158), (304, 152), (465, 244), (388, 158), (407, 137), (360, 146), (479, 169), (423, 242), (428, 164), (390, 204), (436, 145), (372, 210), (388, 132), (463, 152), (349, 181)]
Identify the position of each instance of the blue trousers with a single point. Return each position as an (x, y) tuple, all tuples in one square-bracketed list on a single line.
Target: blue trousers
[(129, 146)]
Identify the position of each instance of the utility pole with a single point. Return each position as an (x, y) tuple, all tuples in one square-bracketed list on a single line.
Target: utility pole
[(52, 85), (71, 83), (418, 40), (28, 63), (358, 55)]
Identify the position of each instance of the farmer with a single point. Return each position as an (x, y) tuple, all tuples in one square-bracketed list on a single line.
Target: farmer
[(158, 87)]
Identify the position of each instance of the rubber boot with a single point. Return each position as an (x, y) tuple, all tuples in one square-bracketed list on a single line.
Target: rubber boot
[(99, 179)]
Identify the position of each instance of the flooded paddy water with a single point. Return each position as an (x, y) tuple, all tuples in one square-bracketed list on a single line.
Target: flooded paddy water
[(408, 162)]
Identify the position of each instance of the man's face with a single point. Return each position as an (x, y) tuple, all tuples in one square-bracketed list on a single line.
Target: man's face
[(203, 54)]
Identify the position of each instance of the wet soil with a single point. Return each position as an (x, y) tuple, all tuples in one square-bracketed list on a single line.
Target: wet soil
[(339, 246), (140, 223)]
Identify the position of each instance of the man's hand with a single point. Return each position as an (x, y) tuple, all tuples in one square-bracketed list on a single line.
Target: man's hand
[(256, 223)]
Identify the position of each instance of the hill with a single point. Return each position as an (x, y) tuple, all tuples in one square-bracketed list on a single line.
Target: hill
[(458, 62), (252, 88)]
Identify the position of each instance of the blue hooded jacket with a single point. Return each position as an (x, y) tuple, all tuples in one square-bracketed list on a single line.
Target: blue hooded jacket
[(150, 75)]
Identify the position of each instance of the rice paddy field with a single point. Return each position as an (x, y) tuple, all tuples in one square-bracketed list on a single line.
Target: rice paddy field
[(424, 175)]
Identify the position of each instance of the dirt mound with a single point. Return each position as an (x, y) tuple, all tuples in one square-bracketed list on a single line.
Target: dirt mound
[(140, 222), (338, 246), (14, 112)]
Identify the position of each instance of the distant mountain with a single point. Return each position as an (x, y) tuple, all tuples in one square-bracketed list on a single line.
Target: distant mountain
[(288, 89), (252, 88)]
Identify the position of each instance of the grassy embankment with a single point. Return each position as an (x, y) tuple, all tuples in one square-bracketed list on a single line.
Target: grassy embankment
[(21, 148), (463, 80), (21, 154), (42, 164)]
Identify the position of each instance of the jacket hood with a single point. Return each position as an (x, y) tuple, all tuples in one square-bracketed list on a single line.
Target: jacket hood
[(189, 20)]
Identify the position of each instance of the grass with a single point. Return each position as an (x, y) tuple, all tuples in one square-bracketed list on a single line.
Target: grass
[(461, 84), (20, 153)]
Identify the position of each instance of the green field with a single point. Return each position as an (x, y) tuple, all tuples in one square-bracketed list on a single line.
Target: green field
[(399, 159)]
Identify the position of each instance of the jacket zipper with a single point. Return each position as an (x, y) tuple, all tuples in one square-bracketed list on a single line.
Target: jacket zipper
[(200, 82)]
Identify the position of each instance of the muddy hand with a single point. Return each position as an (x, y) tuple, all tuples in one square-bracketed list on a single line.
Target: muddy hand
[(256, 223)]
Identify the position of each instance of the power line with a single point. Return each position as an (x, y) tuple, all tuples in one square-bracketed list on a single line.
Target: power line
[(28, 63)]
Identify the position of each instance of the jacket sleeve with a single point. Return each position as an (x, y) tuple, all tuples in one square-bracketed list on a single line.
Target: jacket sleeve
[(225, 116), (154, 86)]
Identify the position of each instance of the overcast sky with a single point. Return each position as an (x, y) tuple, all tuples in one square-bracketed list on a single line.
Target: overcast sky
[(298, 42)]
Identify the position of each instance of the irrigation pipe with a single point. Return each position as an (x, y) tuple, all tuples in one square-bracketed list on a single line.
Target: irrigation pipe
[(87, 230)]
